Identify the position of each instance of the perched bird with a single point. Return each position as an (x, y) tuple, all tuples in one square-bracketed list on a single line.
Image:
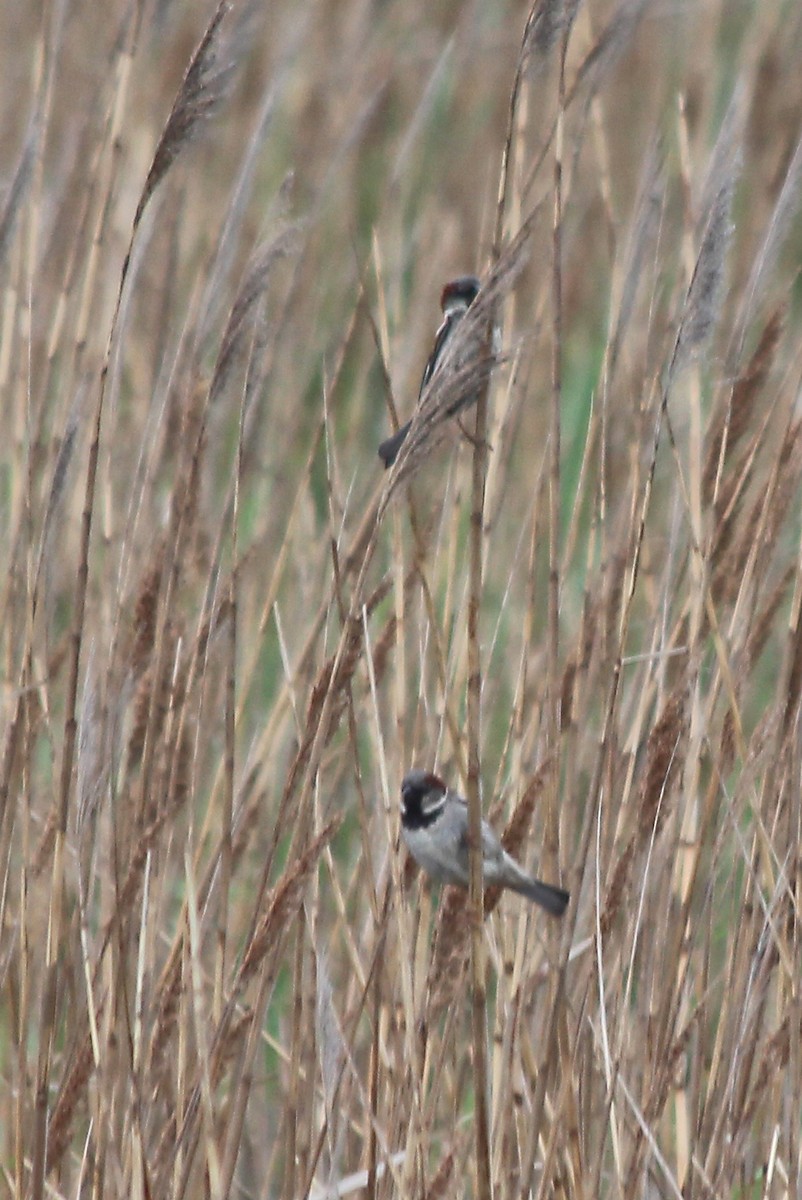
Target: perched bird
[(456, 299), (434, 823)]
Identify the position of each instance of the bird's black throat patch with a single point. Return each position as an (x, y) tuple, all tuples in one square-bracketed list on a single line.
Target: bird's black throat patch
[(421, 805)]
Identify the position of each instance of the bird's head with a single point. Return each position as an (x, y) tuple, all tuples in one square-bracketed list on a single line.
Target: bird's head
[(459, 293), (422, 798)]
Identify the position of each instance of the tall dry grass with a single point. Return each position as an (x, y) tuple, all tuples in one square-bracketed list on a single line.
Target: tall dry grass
[(227, 634)]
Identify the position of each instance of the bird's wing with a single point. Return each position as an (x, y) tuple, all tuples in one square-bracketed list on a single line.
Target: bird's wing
[(440, 339), (492, 850)]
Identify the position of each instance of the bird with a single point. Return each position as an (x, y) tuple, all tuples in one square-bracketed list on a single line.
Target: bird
[(455, 300), (434, 825)]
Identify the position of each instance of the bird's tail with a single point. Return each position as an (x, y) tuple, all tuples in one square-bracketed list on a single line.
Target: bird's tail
[(553, 899), (388, 450)]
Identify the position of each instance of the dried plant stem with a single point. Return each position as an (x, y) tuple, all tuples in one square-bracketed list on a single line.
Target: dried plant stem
[(553, 650), (478, 998), (479, 1026), (70, 719), (227, 815)]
